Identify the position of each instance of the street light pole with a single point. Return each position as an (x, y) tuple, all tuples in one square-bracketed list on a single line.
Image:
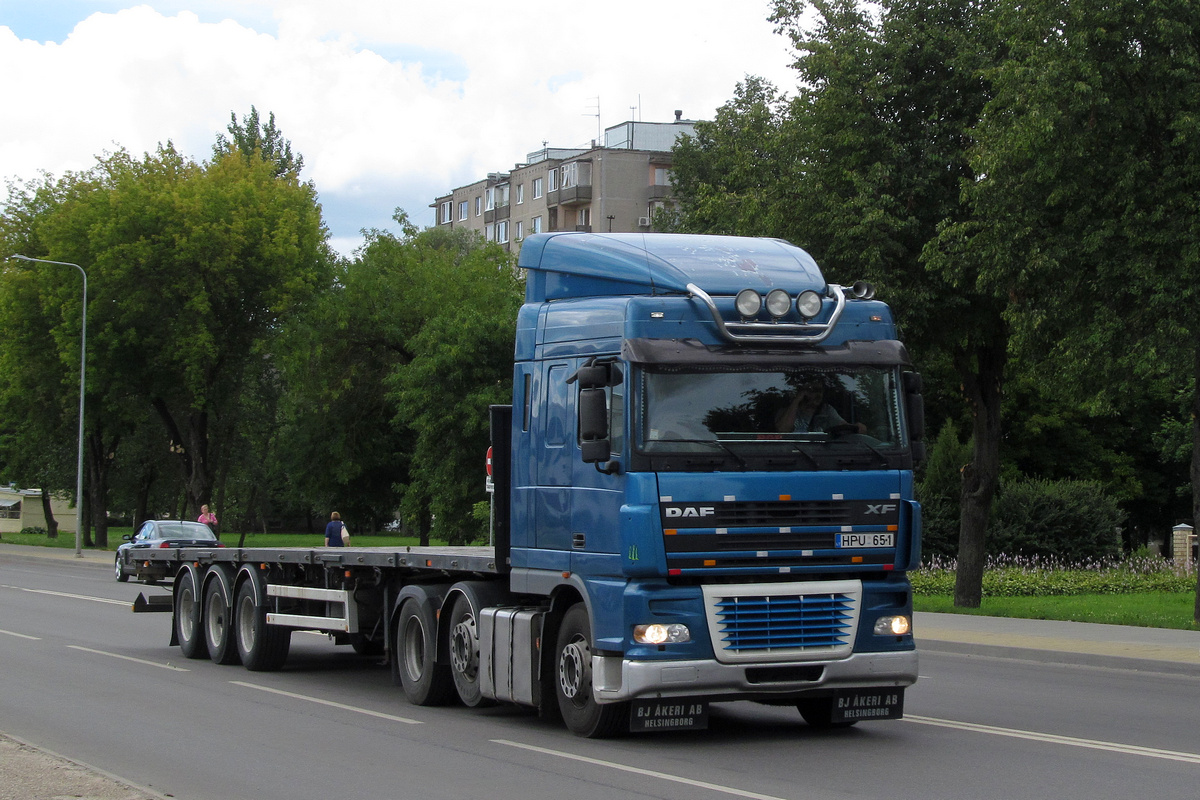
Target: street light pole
[(82, 388)]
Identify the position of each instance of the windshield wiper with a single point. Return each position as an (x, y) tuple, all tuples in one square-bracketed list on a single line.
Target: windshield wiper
[(741, 461)]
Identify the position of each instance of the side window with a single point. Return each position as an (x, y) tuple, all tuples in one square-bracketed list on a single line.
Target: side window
[(557, 403), (146, 530)]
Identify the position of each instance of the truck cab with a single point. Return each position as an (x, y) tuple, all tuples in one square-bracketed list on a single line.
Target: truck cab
[(711, 453)]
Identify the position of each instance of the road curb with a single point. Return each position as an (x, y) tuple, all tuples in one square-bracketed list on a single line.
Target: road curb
[(1064, 657)]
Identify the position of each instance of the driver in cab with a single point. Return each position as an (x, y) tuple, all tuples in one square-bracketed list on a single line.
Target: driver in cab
[(809, 413)]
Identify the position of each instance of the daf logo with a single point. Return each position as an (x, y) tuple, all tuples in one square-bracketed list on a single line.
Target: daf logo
[(691, 511), (881, 508)]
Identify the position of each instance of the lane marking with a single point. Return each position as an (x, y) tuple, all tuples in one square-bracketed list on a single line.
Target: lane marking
[(329, 703), (1070, 741), (716, 787), (68, 595), (21, 635), (129, 658)]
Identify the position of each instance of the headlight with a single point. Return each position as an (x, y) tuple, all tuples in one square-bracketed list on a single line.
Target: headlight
[(893, 626), (748, 302), (808, 304), (778, 303), (658, 633)]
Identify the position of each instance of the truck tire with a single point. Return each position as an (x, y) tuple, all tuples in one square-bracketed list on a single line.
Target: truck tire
[(425, 682), (261, 647), (464, 653), (218, 618), (573, 687), (818, 713), (187, 616)]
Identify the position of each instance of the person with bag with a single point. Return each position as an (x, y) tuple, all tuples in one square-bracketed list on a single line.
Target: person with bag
[(208, 518), (336, 534)]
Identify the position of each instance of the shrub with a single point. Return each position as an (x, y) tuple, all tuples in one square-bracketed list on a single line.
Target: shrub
[(33, 531), (940, 489), (1070, 520)]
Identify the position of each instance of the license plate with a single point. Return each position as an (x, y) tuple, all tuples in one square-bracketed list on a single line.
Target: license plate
[(674, 714), (858, 540), (853, 705)]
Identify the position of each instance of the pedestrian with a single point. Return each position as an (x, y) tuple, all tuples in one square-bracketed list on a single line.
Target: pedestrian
[(336, 534), (208, 518)]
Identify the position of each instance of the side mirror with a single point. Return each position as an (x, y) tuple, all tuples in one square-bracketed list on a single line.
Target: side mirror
[(914, 406)]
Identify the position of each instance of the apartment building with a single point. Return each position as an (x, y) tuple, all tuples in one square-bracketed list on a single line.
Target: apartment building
[(615, 186)]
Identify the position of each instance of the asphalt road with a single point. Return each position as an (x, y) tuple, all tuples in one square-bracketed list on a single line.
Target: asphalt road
[(82, 676)]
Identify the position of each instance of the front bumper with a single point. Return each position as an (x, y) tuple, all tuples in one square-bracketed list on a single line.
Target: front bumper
[(615, 679)]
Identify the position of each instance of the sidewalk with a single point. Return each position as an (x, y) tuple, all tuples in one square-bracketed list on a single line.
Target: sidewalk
[(1052, 641)]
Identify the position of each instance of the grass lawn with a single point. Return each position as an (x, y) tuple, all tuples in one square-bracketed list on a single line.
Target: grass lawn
[(1147, 610), (66, 539)]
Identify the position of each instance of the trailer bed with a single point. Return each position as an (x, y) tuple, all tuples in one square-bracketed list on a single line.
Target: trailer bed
[(451, 560)]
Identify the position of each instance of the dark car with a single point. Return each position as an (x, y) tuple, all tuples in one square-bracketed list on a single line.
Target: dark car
[(159, 533)]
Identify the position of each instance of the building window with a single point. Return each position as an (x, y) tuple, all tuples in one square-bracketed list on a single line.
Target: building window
[(502, 196), (553, 176), (10, 509), (583, 217), (662, 176), (478, 206), (490, 195), (489, 232), (444, 212), (535, 226), (520, 193), (538, 185), (502, 231), (569, 175), (519, 231), (462, 210)]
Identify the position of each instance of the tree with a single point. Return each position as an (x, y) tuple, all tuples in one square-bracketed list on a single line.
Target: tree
[(389, 377), (1086, 206), (192, 267), (253, 139), (862, 168)]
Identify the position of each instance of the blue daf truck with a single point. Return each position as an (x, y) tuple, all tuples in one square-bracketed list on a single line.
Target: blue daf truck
[(702, 492)]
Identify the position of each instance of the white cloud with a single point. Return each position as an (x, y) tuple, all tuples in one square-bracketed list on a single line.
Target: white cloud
[(390, 103)]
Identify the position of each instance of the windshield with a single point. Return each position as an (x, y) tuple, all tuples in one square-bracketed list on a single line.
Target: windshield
[(813, 414)]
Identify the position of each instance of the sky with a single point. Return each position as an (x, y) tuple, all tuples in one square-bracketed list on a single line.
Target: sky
[(390, 102)]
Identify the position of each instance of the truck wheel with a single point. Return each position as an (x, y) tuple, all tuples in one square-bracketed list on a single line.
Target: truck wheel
[(425, 683), (464, 654), (818, 713), (262, 647), (121, 576), (187, 616), (218, 623), (573, 668)]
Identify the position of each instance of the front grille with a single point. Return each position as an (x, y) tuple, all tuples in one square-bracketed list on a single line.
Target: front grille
[(785, 622)]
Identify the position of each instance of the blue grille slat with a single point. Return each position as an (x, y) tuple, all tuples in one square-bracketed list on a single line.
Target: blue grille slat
[(763, 623)]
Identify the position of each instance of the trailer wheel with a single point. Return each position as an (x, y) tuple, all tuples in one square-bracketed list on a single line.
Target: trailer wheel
[(218, 622), (464, 654), (262, 647), (425, 682), (573, 668), (187, 616), (818, 713)]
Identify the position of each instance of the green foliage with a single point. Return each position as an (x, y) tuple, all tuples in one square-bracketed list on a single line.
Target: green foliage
[(254, 139), (33, 531), (939, 489), (1009, 576), (1063, 519), (1146, 609)]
